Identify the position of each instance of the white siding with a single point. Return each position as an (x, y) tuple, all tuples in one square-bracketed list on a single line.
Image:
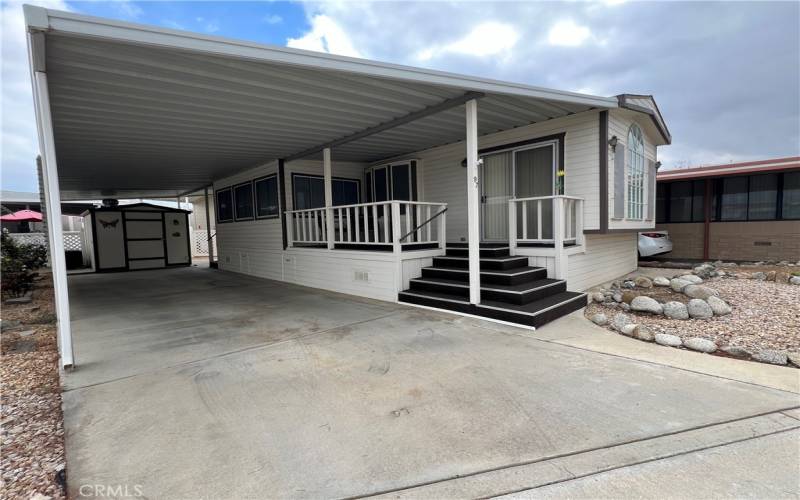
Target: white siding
[(619, 122), (444, 179), (607, 256)]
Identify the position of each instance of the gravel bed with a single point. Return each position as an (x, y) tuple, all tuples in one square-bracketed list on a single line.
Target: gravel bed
[(31, 422), (766, 315)]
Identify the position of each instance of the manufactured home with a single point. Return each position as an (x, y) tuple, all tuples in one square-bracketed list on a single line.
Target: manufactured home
[(496, 199)]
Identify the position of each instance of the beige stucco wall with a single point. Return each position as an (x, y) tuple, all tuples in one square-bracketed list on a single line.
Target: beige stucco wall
[(761, 240)]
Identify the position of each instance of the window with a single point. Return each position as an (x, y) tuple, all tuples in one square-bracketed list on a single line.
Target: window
[(733, 200), (392, 182), (381, 184), (680, 201), (790, 207), (267, 197), (224, 199), (698, 201), (662, 203), (635, 169), (309, 191), (763, 200), (243, 197)]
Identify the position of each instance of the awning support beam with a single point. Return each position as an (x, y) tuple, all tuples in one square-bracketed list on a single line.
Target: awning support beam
[(55, 235), (473, 203), (416, 115)]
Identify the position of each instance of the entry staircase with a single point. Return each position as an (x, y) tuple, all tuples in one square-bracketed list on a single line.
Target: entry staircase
[(511, 290)]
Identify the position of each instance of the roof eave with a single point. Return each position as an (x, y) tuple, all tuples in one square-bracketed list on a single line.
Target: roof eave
[(658, 119), (53, 21)]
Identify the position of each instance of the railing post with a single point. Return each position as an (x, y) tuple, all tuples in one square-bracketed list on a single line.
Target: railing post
[(289, 229), (512, 228), (442, 231), (396, 244), (579, 238), (558, 237), (208, 228)]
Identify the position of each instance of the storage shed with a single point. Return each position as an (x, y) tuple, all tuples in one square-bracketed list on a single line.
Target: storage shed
[(137, 236)]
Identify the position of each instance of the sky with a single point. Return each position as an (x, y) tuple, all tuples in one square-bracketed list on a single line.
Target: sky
[(726, 75)]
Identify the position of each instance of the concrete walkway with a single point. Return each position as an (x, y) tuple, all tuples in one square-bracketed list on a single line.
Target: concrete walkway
[(198, 383)]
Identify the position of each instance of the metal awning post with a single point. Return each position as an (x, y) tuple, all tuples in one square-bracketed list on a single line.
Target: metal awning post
[(473, 221), (208, 229), (52, 195), (327, 172)]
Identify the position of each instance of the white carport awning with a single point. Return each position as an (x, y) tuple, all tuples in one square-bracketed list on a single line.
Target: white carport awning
[(144, 111)]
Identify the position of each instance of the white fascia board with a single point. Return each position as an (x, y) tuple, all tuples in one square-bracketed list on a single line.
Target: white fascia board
[(68, 23)]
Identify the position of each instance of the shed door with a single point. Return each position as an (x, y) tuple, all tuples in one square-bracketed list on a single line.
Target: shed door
[(176, 227), (144, 236), (110, 240)]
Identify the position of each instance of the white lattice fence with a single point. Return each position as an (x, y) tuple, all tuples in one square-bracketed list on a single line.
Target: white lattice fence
[(73, 240), (200, 243)]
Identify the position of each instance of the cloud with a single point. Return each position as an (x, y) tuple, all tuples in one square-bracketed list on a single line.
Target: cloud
[(568, 34), (273, 19), (325, 36), (128, 9), (19, 144), (486, 39)]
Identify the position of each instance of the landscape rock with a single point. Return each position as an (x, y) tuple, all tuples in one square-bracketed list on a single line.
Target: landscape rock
[(676, 310), (678, 284), (628, 284), (668, 339), (598, 297), (617, 297), (736, 351), (782, 277), (26, 333), (641, 332), (599, 319), (628, 297), (703, 271), (628, 329), (699, 309), (771, 275), (771, 356), (794, 280), (794, 358), (643, 282), (759, 276), (691, 278), (718, 306), (619, 321), (7, 324), (700, 344), (644, 303), (624, 306), (699, 292), (661, 281)]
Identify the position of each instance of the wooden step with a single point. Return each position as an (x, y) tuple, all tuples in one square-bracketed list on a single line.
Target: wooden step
[(484, 252), (486, 262), (499, 276), (514, 294)]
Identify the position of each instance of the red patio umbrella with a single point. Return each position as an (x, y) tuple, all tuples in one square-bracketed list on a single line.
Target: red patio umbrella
[(23, 216)]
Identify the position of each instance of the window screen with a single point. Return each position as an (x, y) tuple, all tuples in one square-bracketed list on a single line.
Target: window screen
[(267, 196), (243, 195), (680, 208), (345, 192), (224, 199), (661, 203), (401, 182), (763, 201), (381, 191), (734, 198), (309, 192), (698, 201), (791, 195)]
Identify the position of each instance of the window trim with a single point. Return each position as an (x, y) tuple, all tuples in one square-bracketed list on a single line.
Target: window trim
[(413, 178), (637, 180), (216, 205), (236, 217), (315, 176), (255, 196)]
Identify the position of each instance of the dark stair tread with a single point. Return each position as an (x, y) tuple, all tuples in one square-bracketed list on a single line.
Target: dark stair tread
[(498, 258), (522, 287), (460, 244), (508, 272), (536, 306), (437, 295)]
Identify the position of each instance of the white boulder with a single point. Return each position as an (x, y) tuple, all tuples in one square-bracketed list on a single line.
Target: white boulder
[(699, 309)]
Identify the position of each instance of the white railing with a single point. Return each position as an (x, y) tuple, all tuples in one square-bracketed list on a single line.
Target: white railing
[(368, 224), (549, 221), (546, 220), (73, 240)]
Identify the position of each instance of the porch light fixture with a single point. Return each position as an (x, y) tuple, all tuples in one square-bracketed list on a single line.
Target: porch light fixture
[(613, 143), (658, 165)]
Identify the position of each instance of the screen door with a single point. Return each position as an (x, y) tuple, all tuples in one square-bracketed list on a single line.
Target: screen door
[(496, 190)]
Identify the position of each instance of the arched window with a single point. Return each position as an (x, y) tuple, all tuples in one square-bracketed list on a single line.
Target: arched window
[(635, 177)]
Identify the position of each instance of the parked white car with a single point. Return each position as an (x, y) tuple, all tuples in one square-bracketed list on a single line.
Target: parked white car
[(654, 243)]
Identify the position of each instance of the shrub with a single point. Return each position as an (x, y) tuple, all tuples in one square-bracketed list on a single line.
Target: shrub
[(18, 264)]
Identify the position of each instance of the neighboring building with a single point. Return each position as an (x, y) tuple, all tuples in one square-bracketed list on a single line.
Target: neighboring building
[(747, 211)]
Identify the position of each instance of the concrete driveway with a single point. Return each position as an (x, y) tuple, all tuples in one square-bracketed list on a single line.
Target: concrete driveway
[(199, 383)]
